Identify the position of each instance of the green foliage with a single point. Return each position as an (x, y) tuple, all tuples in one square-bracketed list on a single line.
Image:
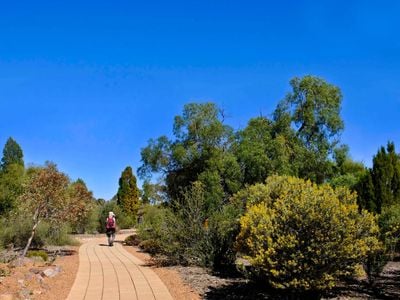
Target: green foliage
[(132, 240), (186, 235), (153, 193), (386, 177), (38, 253), (302, 236), (10, 187), (17, 228), (128, 193), (201, 151), (313, 107), (389, 222), (153, 223), (375, 263), (56, 235), (12, 154), (151, 246), (366, 192), (222, 228), (347, 173)]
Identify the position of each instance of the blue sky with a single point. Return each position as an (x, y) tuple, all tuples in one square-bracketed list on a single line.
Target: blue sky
[(87, 84)]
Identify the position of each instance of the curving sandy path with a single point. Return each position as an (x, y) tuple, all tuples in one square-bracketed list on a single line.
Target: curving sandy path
[(113, 273)]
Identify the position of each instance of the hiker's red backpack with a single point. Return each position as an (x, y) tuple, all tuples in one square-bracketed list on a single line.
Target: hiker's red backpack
[(110, 222)]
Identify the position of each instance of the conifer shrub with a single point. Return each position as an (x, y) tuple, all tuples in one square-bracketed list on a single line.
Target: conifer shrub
[(300, 236)]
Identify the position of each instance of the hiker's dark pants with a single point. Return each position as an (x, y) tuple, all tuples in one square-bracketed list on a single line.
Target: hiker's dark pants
[(111, 235)]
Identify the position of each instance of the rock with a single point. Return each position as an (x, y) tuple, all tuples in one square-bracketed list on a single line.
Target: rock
[(35, 270), (51, 272), (39, 278), (48, 272), (21, 282), (7, 297)]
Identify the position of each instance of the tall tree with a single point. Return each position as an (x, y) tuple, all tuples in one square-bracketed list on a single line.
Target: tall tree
[(385, 176), (10, 187), (11, 175), (82, 204), (200, 151), (313, 108), (366, 193), (12, 154), (128, 193)]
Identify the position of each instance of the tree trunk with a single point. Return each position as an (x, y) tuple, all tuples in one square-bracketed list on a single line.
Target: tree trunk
[(28, 244)]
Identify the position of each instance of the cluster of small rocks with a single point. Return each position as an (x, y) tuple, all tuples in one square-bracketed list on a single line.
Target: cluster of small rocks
[(33, 282)]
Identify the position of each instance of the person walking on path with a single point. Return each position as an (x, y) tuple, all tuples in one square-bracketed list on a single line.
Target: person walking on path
[(110, 228)]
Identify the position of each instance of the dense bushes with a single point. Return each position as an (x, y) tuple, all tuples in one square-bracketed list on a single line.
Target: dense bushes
[(301, 236), (16, 230), (184, 233)]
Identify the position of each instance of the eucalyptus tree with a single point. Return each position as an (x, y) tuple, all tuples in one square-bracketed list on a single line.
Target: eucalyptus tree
[(313, 110), (201, 150)]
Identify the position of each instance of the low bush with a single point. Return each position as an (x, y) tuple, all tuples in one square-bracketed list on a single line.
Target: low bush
[(38, 253), (300, 236), (132, 240), (150, 246), (16, 230), (185, 235), (17, 233), (389, 222)]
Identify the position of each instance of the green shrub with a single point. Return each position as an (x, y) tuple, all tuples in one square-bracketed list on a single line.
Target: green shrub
[(297, 235), (38, 253), (180, 233), (222, 228), (186, 235), (375, 263), (16, 230), (389, 222), (150, 246), (56, 235), (153, 223), (132, 240)]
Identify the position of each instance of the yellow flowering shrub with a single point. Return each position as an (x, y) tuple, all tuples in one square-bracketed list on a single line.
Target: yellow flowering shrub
[(298, 235)]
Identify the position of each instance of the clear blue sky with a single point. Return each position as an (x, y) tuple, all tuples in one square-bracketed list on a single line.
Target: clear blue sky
[(86, 83)]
